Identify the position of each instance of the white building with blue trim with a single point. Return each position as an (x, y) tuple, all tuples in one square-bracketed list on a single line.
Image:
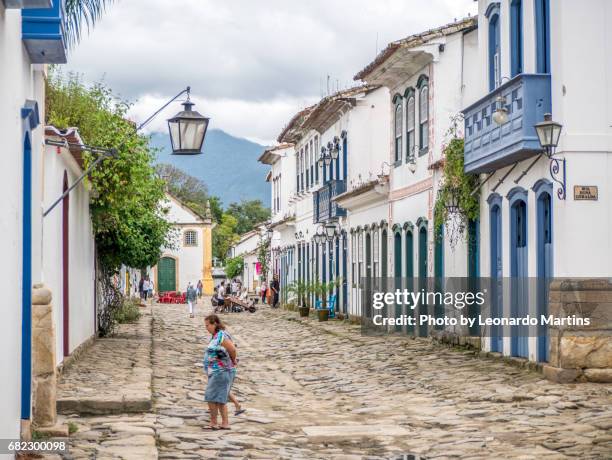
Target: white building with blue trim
[(31, 35)]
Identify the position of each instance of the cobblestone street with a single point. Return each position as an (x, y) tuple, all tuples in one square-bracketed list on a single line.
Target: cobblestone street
[(315, 390)]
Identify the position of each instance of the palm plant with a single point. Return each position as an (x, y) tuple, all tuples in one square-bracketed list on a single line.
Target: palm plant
[(80, 13), (322, 290), (299, 290)]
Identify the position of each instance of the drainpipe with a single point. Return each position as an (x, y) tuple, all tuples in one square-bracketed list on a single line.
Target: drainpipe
[(26, 283)]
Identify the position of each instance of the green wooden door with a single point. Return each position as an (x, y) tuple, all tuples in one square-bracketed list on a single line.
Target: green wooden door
[(166, 274)]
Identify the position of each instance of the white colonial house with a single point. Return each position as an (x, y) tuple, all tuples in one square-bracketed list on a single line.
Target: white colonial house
[(426, 77), (282, 177), (25, 49), (247, 248), (541, 216), (191, 258)]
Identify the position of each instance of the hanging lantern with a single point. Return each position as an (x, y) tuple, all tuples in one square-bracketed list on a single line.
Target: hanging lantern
[(549, 133), (187, 131)]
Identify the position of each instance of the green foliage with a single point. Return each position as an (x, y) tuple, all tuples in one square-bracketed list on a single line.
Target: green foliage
[(234, 266), (263, 256), (72, 427), (299, 291), (322, 290), (456, 183), (129, 312), (80, 13), (248, 214), (127, 213), (224, 236), (188, 189), (216, 208)]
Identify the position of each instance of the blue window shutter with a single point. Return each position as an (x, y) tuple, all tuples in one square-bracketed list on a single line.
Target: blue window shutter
[(516, 37), (542, 20)]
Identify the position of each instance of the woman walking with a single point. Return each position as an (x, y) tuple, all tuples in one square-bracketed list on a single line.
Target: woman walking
[(264, 289), (199, 288), (191, 297), (219, 363)]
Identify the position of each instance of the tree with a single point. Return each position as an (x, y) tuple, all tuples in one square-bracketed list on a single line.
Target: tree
[(224, 236), (128, 210), (248, 213), (234, 267), (216, 208), (81, 13), (190, 190)]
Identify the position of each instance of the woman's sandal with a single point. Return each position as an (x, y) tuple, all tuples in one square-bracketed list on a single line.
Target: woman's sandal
[(225, 428), (212, 427), (240, 411)]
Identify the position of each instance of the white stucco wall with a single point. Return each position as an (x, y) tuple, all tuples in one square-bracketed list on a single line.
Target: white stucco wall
[(81, 251), (18, 81)]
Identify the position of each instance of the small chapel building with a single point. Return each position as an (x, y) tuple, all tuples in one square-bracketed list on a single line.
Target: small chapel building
[(191, 258)]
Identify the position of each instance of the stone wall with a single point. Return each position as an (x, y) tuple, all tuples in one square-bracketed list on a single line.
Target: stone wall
[(44, 377), (581, 353)]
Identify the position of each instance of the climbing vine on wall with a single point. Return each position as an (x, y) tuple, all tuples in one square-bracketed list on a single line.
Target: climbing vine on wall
[(263, 256), (455, 190)]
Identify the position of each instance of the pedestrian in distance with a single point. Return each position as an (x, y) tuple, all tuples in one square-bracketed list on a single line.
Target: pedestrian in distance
[(275, 287), (145, 289), (264, 289), (200, 288), (220, 359), (141, 287), (151, 288), (191, 297)]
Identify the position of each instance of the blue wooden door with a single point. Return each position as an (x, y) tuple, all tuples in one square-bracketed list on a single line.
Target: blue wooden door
[(410, 271), (368, 275), (422, 310), (397, 270), (344, 274), (496, 277), (544, 262), (518, 272)]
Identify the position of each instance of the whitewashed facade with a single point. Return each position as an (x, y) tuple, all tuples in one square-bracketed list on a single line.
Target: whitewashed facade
[(21, 111), (67, 258), (556, 59)]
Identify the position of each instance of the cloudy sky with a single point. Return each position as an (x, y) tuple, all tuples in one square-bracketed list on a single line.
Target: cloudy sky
[(251, 63)]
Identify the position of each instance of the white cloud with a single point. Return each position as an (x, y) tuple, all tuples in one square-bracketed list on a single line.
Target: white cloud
[(252, 63)]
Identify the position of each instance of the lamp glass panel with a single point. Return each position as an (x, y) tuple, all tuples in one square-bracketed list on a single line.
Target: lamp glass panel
[(174, 134), (192, 133), (556, 133)]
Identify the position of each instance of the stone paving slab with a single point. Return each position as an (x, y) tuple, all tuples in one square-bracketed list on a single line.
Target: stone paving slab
[(113, 376)]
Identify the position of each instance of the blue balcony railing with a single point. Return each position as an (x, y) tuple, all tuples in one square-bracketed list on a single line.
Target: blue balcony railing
[(488, 146), (43, 33), (324, 208)]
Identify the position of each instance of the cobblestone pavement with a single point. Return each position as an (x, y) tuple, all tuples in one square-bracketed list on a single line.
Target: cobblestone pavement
[(320, 390)]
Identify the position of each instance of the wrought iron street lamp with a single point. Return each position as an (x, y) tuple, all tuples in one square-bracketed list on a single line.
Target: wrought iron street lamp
[(187, 130), (330, 231), (549, 132)]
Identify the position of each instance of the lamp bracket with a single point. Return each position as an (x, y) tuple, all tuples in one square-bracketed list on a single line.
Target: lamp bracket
[(558, 174)]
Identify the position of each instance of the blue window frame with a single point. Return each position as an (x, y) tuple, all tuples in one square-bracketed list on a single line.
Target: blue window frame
[(516, 37), (423, 86), (542, 21), (492, 15), (398, 124)]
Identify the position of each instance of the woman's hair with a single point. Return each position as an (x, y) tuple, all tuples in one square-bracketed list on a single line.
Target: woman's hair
[(216, 321)]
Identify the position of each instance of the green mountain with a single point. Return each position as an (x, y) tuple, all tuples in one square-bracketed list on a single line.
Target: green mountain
[(229, 166)]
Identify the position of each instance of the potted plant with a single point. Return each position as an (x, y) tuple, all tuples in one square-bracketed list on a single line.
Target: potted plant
[(299, 291), (322, 290)]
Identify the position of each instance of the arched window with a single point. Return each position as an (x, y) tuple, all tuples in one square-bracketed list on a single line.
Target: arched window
[(190, 238), (423, 114), (410, 123), (542, 20), (492, 14), (307, 164), (516, 37), (398, 128)]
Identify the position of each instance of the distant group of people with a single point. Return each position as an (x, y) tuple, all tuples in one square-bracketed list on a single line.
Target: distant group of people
[(270, 294)]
